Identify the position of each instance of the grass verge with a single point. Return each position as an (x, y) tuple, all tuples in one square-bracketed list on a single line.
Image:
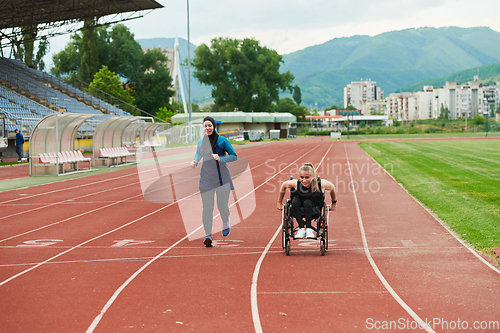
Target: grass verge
[(459, 180)]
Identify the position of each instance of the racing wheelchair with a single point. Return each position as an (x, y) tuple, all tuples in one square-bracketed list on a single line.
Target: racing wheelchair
[(320, 216)]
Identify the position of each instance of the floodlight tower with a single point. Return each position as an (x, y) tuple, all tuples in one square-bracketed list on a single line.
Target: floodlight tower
[(177, 74)]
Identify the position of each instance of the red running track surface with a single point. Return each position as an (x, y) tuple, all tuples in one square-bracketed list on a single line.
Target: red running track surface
[(92, 255)]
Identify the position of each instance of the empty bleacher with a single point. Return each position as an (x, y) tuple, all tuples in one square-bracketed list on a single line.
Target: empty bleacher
[(27, 95), (49, 91)]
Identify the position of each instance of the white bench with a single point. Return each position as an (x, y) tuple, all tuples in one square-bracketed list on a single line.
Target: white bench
[(61, 158), (151, 143), (107, 154)]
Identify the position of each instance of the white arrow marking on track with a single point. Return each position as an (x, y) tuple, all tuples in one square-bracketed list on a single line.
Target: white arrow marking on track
[(129, 242)]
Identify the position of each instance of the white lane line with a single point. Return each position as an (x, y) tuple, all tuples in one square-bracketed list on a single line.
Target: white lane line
[(90, 240), (253, 291), (69, 218), (70, 200), (79, 245), (319, 292), (372, 262), (108, 304), (79, 186), (153, 168), (443, 224)]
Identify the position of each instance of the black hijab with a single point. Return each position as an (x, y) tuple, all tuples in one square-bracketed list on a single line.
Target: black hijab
[(214, 136)]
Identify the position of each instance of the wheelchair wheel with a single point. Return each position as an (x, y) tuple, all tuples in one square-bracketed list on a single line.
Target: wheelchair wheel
[(325, 230), (283, 227), (322, 247), (287, 247)]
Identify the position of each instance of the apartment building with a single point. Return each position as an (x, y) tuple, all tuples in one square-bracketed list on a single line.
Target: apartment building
[(402, 106), (358, 93), (463, 100), (374, 108)]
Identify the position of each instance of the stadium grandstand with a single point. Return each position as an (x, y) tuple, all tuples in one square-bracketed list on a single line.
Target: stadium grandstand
[(27, 94)]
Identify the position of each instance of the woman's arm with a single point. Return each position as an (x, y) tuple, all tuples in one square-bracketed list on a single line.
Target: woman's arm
[(197, 155), (226, 145), (328, 186), (284, 186)]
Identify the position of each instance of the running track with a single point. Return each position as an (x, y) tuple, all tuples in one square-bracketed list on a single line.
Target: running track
[(91, 255)]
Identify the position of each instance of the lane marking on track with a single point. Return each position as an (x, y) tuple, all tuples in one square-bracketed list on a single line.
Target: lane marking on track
[(450, 231), (306, 244), (130, 242), (88, 212), (372, 262), (108, 304), (320, 292), (116, 229), (253, 290), (88, 241), (26, 196)]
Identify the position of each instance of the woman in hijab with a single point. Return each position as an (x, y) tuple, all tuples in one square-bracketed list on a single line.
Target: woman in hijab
[(215, 151)]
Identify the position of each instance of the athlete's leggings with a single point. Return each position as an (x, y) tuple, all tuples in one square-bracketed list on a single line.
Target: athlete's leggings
[(297, 203), (207, 196)]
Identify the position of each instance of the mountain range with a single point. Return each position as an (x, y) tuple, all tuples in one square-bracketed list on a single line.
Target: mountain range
[(396, 60), (392, 59), (488, 74)]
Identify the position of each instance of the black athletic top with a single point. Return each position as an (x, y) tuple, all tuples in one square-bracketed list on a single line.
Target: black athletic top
[(305, 193)]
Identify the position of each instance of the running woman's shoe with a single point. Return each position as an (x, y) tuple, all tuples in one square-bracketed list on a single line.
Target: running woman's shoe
[(208, 241), (226, 229)]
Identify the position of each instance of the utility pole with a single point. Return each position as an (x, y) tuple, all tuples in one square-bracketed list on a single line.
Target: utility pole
[(189, 80)]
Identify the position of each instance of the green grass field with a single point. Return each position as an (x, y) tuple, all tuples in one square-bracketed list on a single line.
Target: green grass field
[(459, 180), (418, 136)]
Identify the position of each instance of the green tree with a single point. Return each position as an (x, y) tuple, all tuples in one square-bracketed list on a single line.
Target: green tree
[(89, 58), (165, 114), (24, 49), (144, 74), (153, 89), (243, 74), (67, 61), (109, 82), (445, 113), (478, 120), (300, 112), (288, 105), (125, 53), (285, 105), (95, 47), (297, 95)]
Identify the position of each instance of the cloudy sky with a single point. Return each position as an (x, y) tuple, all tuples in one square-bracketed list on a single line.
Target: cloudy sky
[(290, 25)]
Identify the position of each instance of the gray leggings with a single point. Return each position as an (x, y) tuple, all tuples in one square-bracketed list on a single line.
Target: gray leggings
[(207, 196)]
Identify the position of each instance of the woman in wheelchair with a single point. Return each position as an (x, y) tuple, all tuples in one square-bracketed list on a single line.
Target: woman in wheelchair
[(307, 198)]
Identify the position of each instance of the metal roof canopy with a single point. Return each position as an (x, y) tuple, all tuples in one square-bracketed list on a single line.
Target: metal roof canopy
[(148, 131), (56, 132), (23, 13), (111, 133), (240, 117)]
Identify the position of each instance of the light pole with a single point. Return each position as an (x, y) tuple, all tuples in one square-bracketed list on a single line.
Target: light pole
[(189, 80), (486, 106)]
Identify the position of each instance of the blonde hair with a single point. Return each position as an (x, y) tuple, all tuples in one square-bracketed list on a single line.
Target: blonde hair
[(308, 167)]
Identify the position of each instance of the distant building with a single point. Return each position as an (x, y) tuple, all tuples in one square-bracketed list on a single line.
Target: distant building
[(401, 106), (360, 92), (462, 100), (374, 108)]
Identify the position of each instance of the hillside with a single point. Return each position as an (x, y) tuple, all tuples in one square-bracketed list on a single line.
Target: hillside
[(199, 92), (392, 59), (488, 74)]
